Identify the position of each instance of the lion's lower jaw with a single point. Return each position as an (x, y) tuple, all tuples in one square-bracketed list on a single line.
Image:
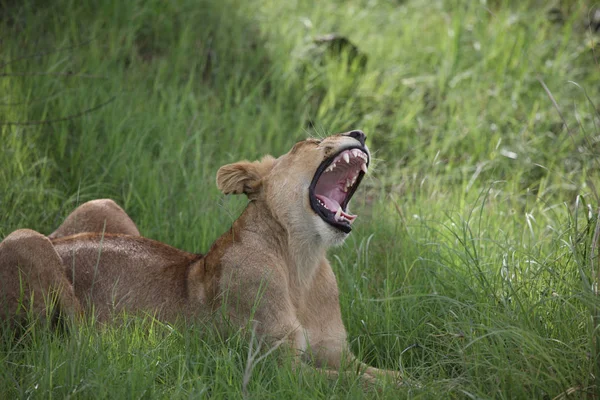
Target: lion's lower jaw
[(337, 239), (330, 236)]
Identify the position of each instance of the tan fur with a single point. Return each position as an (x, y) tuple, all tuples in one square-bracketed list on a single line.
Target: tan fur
[(270, 267)]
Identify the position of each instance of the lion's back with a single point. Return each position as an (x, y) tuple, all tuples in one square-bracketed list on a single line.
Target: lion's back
[(114, 272)]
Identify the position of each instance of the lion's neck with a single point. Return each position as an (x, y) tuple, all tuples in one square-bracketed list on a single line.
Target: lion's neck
[(301, 250)]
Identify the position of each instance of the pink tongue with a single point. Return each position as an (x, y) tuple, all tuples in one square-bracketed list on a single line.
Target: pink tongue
[(329, 203), (333, 206)]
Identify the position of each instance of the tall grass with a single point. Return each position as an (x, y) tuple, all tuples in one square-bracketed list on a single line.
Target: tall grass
[(473, 267)]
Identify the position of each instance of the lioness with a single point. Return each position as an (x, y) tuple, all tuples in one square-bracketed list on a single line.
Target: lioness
[(271, 265)]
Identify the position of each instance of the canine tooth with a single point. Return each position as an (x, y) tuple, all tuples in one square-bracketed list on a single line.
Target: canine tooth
[(338, 214), (346, 158), (364, 168)]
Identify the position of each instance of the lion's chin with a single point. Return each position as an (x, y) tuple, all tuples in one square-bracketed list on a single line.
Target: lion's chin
[(329, 235)]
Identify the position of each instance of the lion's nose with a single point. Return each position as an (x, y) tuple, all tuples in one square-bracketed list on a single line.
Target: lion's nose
[(358, 135)]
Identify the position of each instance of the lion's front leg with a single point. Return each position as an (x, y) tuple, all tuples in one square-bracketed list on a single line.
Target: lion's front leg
[(102, 215), (327, 337), (333, 356)]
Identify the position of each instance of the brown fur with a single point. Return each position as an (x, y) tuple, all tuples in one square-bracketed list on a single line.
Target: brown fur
[(103, 215), (271, 266)]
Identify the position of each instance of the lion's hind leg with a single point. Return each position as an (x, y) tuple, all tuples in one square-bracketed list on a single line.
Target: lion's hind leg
[(102, 215), (32, 279)]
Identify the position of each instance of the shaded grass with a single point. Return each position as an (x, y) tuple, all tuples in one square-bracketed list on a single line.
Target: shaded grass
[(471, 267)]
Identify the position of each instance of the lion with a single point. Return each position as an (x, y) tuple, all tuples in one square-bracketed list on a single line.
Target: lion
[(269, 267)]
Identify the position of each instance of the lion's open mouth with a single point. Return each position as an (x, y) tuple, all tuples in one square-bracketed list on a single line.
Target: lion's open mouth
[(334, 184)]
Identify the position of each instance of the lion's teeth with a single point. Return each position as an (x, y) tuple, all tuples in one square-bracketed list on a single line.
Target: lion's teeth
[(323, 204), (364, 168), (346, 158), (338, 213), (355, 152)]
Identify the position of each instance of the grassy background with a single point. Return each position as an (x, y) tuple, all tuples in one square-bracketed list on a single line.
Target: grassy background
[(472, 266)]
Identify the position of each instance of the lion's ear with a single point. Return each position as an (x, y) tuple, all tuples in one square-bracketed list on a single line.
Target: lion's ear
[(244, 176)]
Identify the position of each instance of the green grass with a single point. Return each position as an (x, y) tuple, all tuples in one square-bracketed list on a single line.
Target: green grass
[(473, 263)]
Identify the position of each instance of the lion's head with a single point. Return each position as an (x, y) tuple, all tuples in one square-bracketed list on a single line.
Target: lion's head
[(309, 188)]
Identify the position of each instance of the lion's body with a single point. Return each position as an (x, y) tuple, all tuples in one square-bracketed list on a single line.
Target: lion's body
[(270, 267)]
